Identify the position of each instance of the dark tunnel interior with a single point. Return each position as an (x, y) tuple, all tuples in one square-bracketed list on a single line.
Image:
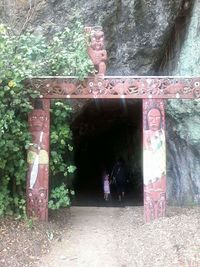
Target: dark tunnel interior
[(103, 131)]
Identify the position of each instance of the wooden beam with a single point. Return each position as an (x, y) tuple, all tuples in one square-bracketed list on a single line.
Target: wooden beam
[(111, 87)]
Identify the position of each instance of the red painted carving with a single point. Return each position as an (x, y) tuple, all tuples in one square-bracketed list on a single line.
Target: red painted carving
[(96, 49), (154, 159), (118, 87), (38, 159), (155, 199)]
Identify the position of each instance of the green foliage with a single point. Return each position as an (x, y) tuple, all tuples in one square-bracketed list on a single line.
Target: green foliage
[(29, 222), (20, 204), (27, 56), (60, 197), (4, 197), (67, 55), (61, 160), (15, 65)]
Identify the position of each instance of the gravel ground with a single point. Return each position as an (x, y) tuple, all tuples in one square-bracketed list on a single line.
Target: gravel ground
[(22, 243), (172, 241), (118, 237)]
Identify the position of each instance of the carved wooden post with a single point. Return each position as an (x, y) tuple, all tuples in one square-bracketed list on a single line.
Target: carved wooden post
[(38, 160), (96, 50), (154, 159)]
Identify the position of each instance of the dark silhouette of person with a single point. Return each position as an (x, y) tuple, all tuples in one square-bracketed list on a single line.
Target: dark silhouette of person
[(119, 178)]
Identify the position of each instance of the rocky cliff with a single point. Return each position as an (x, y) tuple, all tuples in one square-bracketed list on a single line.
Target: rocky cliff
[(143, 37), (183, 121), (137, 31)]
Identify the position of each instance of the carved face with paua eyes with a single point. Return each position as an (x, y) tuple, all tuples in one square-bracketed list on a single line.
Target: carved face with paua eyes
[(37, 120), (97, 40), (38, 201)]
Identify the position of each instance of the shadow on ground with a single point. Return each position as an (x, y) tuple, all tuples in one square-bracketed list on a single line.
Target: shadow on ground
[(96, 200)]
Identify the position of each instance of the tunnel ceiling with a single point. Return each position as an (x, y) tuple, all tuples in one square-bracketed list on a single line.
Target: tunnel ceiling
[(97, 117)]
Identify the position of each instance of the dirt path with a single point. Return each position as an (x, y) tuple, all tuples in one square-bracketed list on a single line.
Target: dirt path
[(91, 240), (117, 237)]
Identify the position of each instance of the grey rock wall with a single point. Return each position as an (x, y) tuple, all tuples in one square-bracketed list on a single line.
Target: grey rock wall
[(136, 30), (183, 120)]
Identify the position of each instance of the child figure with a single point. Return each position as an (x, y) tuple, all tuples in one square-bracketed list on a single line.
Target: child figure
[(106, 187)]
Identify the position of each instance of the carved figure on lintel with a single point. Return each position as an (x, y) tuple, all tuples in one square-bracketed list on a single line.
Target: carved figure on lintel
[(96, 49)]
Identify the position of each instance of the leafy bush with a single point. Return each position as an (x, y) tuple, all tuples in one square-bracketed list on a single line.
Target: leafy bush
[(27, 56), (60, 197), (61, 160)]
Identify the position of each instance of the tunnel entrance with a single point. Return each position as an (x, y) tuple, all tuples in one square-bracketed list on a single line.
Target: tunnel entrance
[(104, 131)]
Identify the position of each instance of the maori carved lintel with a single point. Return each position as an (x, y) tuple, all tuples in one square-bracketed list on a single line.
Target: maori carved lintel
[(118, 87)]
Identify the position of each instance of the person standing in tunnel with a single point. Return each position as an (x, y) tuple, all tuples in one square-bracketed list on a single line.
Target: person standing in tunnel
[(106, 186), (119, 178)]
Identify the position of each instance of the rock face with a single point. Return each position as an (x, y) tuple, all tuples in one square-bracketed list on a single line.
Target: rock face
[(138, 36), (183, 121), (183, 152), (136, 30)]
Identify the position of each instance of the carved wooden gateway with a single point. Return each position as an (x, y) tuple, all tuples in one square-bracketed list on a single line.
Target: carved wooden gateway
[(152, 90)]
